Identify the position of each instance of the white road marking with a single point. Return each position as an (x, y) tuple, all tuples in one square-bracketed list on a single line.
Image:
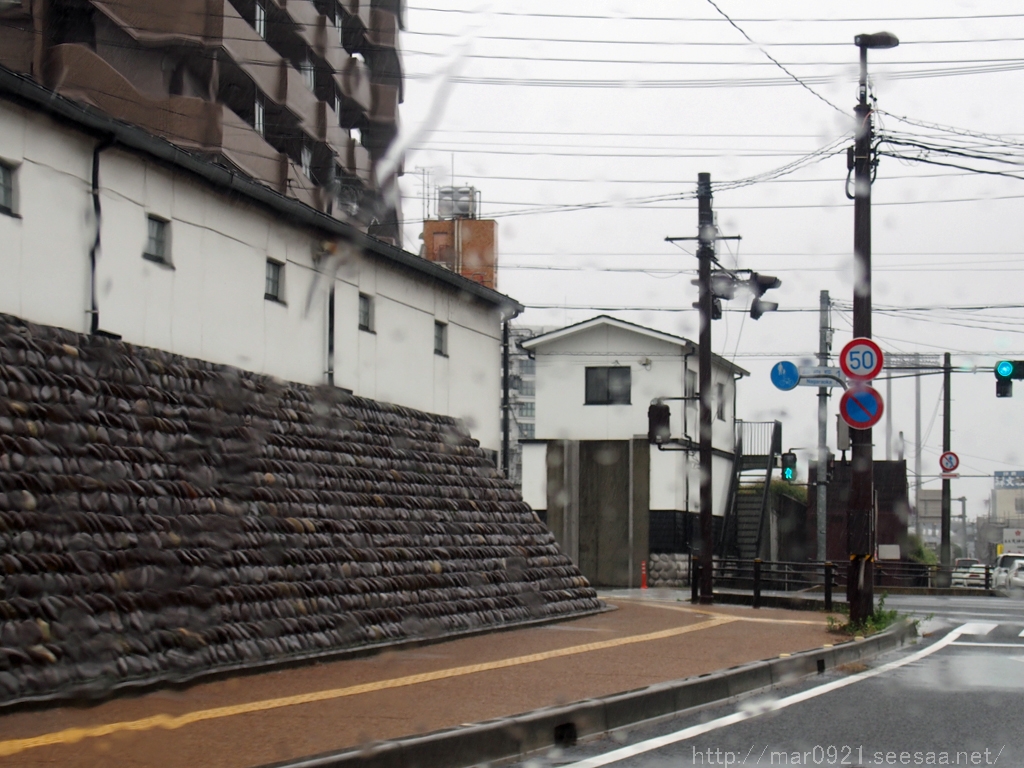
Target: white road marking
[(1021, 633), (624, 753), (988, 645)]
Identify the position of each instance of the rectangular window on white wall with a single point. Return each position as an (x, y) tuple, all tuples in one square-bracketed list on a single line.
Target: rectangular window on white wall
[(527, 431), (526, 410), (720, 401), (274, 290), (608, 386), (440, 338), (7, 189), (308, 73), (365, 312), (158, 247)]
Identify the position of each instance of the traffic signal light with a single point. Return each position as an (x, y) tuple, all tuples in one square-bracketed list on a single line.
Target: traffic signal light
[(789, 466), (1006, 371), (658, 430), (758, 285)]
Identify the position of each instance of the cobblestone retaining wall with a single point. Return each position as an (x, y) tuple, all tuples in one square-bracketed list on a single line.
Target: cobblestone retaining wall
[(161, 517)]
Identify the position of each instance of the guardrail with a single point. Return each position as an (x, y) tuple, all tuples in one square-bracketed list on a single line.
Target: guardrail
[(781, 576)]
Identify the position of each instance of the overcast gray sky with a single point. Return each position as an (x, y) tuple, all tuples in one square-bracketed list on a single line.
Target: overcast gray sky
[(545, 105)]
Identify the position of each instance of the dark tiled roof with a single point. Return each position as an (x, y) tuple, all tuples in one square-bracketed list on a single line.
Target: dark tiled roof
[(162, 517)]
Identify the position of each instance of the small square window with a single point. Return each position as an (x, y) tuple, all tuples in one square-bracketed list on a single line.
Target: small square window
[(157, 247), (527, 366), (440, 338), (607, 386), (527, 431), (365, 312), (260, 21), (527, 410), (6, 189), (527, 388), (274, 290)]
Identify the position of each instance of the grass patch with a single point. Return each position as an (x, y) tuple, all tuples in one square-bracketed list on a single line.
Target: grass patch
[(881, 619)]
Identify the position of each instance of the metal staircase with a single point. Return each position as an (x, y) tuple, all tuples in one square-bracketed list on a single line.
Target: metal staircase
[(758, 444)]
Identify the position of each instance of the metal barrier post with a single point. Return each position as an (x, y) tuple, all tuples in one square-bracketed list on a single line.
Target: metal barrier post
[(757, 583), (828, 586), (694, 581)]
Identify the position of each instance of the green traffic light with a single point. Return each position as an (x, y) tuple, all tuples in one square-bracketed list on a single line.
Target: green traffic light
[(788, 473), (1004, 369)]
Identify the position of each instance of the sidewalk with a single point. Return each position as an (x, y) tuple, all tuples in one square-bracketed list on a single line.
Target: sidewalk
[(259, 719)]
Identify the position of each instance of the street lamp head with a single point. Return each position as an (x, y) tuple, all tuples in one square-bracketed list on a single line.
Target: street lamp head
[(877, 40)]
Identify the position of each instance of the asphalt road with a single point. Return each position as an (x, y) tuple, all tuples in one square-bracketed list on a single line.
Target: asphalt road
[(954, 699)]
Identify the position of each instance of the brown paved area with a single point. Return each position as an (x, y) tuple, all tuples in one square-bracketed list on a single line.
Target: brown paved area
[(258, 719)]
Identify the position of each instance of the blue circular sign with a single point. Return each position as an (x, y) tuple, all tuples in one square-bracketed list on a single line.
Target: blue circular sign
[(861, 407), (785, 375)]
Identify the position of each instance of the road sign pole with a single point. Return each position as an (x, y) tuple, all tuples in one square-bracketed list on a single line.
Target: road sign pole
[(860, 578), (945, 556), (821, 473)]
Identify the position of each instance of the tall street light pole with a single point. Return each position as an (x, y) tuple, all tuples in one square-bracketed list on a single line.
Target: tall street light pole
[(860, 594)]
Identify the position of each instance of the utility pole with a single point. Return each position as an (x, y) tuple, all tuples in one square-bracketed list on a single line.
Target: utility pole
[(705, 253), (821, 503), (860, 533), (944, 547), (917, 456), (707, 235)]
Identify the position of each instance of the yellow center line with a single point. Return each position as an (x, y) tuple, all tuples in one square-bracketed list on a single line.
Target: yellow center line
[(74, 735), (706, 612)]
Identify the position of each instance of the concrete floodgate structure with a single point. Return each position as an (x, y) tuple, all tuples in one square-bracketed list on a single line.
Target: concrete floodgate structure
[(162, 518)]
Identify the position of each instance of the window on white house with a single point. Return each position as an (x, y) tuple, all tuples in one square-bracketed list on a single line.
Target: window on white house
[(440, 338), (365, 312), (157, 245), (306, 156), (527, 410), (720, 401), (527, 388), (527, 366), (608, 386), (274, 290), (6, 189), (527, 431), (259, 121), (260, 20)]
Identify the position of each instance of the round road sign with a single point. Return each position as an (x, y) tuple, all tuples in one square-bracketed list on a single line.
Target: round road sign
[(861, 359), (861, 407), (949, 461), (785, 375)]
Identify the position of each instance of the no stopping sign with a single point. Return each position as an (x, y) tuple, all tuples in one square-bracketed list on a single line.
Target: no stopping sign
[(861, 407)]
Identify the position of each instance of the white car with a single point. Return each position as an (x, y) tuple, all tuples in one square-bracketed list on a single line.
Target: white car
[(1002, 567), (970, 576), (1015, 579)]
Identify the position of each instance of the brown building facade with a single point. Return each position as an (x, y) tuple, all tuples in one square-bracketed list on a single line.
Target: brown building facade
[(301, 95)]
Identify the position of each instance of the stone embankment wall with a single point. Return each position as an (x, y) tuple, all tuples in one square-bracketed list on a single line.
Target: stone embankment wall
[(669, 570), (162, 517)]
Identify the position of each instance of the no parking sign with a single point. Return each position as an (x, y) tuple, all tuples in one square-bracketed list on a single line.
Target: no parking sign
[(861, 407)]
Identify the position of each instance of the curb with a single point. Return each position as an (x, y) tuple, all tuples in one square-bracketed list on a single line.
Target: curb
[(520, 735)]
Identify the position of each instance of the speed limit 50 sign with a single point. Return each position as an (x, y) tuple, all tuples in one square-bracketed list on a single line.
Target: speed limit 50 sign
[(861, 359)]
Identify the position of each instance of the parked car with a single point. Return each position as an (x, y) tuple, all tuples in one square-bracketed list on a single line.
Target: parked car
[(1002, 567), (961, 566), (970, 576)]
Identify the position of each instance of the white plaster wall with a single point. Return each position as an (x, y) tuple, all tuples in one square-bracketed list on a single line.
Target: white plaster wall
[(210, 302), (535, 475), (38, 279)]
